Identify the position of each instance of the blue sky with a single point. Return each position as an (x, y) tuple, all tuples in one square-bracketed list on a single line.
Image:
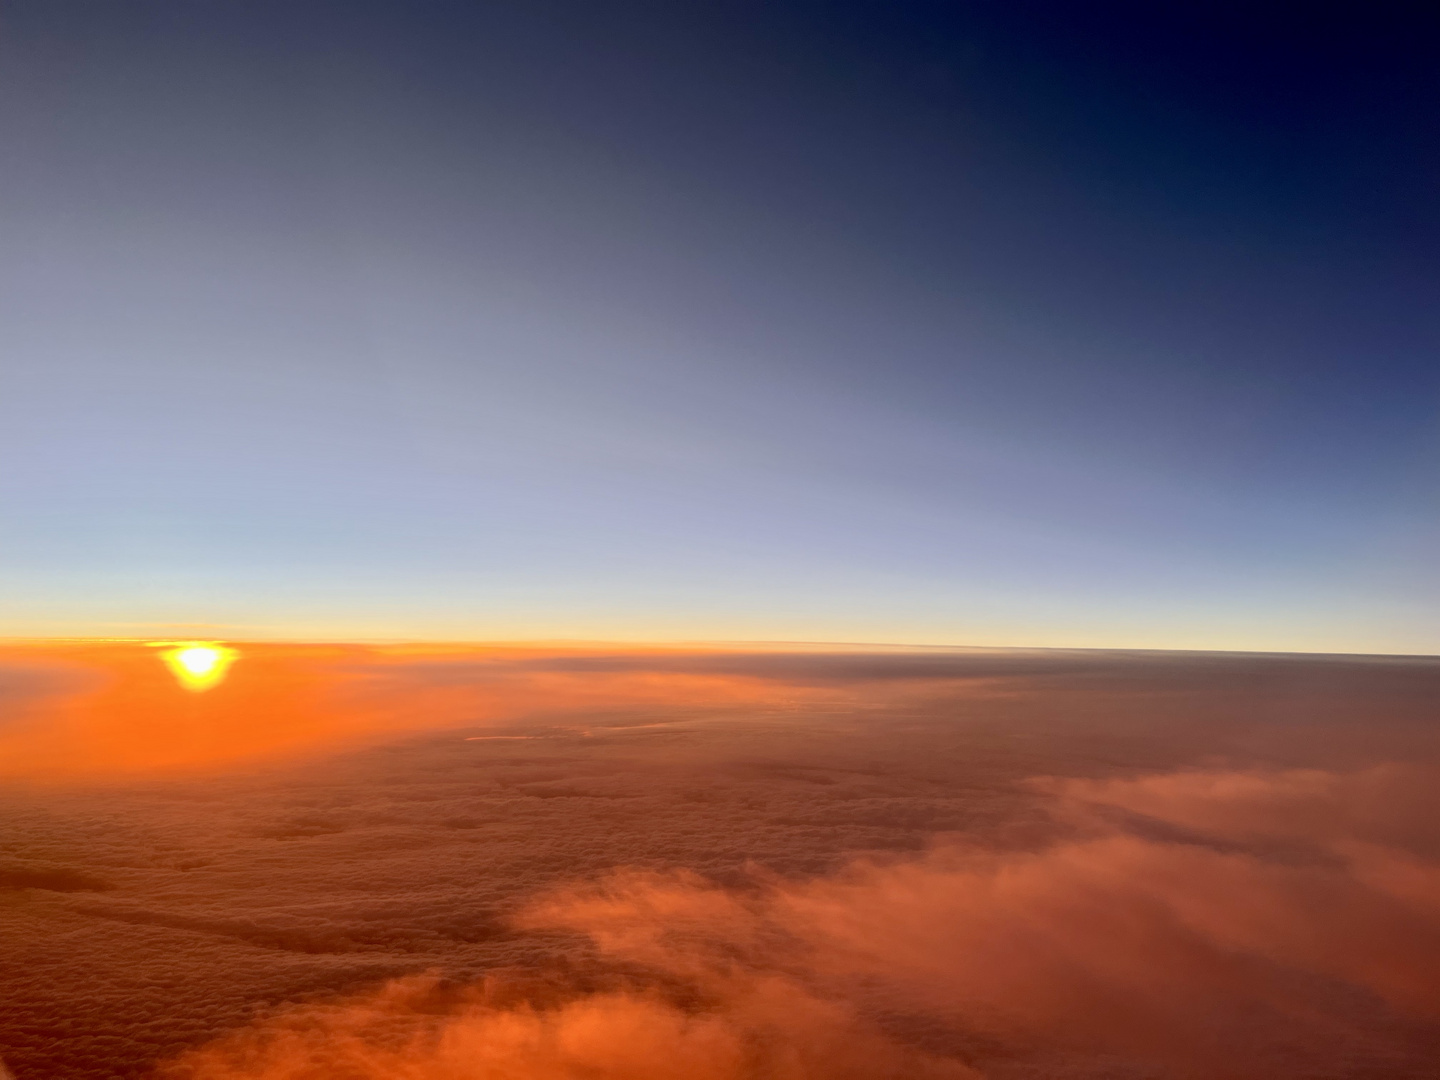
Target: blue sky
[(932, 323)]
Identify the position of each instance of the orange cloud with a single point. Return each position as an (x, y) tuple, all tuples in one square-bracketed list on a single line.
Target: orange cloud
[(1292, 936), (122, 712), (412, 1030)]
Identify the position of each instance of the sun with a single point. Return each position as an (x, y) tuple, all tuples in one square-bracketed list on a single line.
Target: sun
[(198, 665)]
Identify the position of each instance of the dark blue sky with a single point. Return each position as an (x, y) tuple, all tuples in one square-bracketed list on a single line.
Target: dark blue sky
[(995, 323)]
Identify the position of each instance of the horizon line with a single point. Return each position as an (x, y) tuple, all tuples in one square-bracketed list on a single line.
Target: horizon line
[(734, 644)]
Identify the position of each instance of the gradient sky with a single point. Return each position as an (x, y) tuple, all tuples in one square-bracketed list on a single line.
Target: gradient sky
[(988, 323)]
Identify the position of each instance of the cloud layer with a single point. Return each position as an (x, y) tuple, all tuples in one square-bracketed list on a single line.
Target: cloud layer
[(1299, 931), (1073, 867)]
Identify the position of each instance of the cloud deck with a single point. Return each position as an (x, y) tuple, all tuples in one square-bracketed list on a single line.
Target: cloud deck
[(1070, 865)]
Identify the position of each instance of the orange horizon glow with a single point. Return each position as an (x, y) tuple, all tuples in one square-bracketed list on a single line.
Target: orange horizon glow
[(109, 709)]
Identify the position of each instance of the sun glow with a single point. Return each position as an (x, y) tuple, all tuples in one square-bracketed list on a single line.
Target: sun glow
[(198, 665)]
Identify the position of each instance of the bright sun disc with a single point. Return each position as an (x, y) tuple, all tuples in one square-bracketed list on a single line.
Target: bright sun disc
[(199, 665)]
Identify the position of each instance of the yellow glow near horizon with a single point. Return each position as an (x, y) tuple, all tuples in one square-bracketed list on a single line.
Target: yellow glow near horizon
[(199, 665)]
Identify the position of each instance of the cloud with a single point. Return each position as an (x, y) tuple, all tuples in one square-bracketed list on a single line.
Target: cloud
[(122, 713), (1391, 804), (414, 1030), (15, 874), (1143, 922), (28, 682), (1287, 924), (91, 709)]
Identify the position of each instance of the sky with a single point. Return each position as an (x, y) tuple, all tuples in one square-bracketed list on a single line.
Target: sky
[(1030, 324)]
